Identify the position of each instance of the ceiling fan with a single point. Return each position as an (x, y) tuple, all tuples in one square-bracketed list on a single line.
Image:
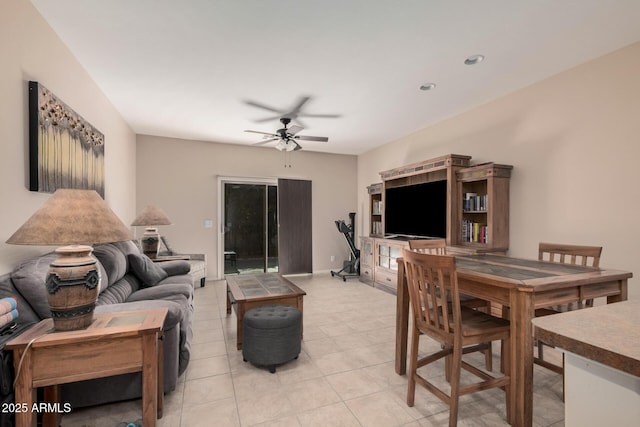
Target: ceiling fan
[(287, 137)]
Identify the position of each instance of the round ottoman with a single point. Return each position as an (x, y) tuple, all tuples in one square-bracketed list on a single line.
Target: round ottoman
[(271, 335)]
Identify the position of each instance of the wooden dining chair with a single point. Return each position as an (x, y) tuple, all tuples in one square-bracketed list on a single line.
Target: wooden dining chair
[(587, 256), (439, 247), (429, 246), (432, 282)]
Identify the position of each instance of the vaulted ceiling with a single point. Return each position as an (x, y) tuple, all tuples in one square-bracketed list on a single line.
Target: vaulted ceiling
[(210, 69)]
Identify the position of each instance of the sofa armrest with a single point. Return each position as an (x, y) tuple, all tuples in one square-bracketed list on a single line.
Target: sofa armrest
[(174, 267), (198, 264), (198, 257)]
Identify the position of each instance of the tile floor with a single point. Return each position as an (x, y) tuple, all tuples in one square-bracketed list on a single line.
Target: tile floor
[(343, 377)]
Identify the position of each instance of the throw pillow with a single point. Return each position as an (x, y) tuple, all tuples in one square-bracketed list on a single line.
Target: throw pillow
[(146, 270)]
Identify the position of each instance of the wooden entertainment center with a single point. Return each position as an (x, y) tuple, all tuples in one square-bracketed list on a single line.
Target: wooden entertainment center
[(476, 205)]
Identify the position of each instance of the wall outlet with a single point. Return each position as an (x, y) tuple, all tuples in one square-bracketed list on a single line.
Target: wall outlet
[(333, 258)]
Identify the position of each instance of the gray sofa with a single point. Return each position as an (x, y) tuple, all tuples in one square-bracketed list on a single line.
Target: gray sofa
[(129, 281)]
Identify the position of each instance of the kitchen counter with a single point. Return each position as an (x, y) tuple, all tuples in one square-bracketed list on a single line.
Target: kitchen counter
[(608, 334), (601, 347)]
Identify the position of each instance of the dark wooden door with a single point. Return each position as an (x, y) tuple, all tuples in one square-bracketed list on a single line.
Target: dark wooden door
[(294, 232)]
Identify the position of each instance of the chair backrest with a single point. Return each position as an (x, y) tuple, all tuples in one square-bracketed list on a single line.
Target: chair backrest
[(429, 246), (433, 291), (588, 256)]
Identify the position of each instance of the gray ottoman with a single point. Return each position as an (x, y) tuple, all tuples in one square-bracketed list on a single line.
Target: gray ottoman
[(271, 335)]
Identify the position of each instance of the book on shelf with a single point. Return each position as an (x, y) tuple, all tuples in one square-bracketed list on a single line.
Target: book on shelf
[(472, 202), (474, 232), (376, 227), (376, 207)]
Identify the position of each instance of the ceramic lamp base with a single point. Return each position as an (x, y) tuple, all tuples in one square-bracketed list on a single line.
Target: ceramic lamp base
[(150, 242), (72, 286)]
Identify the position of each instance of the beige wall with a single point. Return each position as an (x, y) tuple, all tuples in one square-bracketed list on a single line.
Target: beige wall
[(181, 177), (573, 140), (30, 50)]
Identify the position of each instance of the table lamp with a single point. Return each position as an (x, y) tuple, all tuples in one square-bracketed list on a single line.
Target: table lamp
[(151, 217), (73, 218)]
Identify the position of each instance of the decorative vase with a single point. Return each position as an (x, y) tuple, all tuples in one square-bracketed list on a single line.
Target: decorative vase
[(72, 286)]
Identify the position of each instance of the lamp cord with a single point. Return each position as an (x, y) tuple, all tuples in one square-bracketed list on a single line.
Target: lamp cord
[(24, 353)]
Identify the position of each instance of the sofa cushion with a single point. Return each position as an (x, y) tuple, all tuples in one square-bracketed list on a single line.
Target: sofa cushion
[(162, 291), (184, 279), (29, 279), (127, 247), (113, 261), (119, 292), (146, 270)]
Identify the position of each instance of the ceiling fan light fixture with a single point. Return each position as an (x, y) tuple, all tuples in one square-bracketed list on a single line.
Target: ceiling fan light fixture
[(474, 59), (281, 145)]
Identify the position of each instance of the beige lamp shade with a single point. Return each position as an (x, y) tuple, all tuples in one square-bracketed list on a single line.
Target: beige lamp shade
[(151, 216), (70, 217)]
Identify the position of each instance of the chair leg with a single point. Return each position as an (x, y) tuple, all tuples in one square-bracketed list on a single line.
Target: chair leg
[(456, 367), (447, 367), (540, 350), (506, 314), (413, 363), (488, 357), (506, 357), (563, 379)]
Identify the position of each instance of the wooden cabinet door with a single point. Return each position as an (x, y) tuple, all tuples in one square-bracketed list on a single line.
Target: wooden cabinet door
[(294, 232)]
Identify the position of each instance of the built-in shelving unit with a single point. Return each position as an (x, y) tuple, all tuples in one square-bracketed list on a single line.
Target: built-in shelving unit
[(477, 212), (484, 213)]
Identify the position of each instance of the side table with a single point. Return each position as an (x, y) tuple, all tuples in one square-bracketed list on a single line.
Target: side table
[(114, 344)]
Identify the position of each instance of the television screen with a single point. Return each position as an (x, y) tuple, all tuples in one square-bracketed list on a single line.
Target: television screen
[(417, 210)]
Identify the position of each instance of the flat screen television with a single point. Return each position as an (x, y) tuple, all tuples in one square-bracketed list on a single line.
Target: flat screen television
[(417, 210)]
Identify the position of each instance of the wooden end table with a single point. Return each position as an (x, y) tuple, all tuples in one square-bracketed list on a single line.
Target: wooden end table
[(114, 344), (249, 291)]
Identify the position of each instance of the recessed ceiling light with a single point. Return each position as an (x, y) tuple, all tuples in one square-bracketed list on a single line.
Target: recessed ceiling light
[(474, 59), (428, 86)]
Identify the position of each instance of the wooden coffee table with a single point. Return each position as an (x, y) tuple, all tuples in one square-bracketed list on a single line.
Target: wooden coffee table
[(249, 291), (115, 343)]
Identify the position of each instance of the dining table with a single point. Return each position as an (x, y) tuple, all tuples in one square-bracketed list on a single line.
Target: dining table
[(521, 286)]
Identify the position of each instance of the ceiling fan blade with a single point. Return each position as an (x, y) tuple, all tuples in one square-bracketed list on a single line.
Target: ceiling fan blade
[(321, 116), (263, 106), (267, 119), (294, 129), (266, 141), (298, 146), (312, 138), (303, 100), (262, 133)]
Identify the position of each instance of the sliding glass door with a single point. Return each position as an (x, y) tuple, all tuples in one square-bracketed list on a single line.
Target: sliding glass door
[(250, 227)]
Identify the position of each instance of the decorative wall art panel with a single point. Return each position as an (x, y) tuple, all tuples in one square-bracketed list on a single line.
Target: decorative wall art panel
[(65, 151)]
